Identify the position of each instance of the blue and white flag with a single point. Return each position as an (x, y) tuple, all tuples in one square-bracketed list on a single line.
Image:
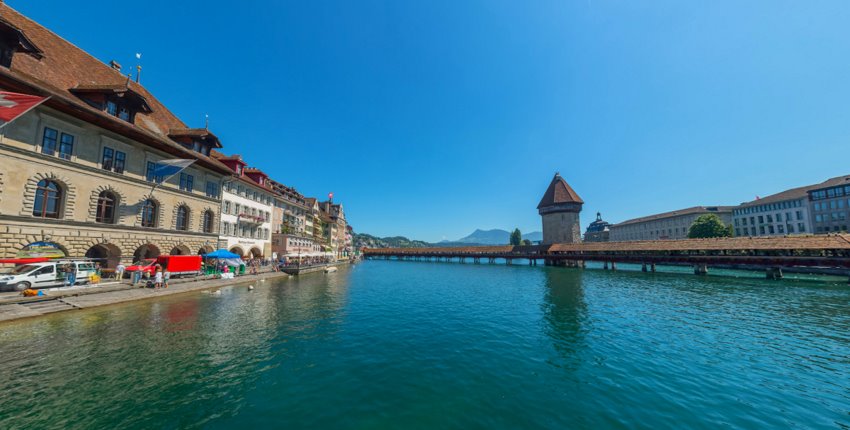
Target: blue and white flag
[(168, 168)]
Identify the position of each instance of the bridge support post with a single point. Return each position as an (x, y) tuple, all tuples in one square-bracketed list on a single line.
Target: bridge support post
[(774, 273), (509, 261), (652, 267), (583, 264), (643, 267), (700, 269), (613, 265), (605, 265)]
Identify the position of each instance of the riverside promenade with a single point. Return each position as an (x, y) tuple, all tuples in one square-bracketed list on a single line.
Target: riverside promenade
[(14, 306)]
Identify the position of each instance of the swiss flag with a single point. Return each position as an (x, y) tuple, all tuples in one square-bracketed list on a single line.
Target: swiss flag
[(13, 105)]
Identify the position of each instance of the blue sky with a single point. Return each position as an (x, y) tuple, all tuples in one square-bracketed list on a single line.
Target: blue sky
[(432, 118)]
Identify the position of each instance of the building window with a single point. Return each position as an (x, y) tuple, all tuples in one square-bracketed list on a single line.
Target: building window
[(150, 208), (49, 140), (66, 146), (149, 173), (111, 108), (212, 189), (108, 158), (186, 182), (124, 113), (120, 161), (182, 218), (48, 199), (207, 224), (227, 207), (106, 203)]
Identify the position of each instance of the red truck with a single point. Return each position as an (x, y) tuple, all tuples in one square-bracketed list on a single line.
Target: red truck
[(176, 265)]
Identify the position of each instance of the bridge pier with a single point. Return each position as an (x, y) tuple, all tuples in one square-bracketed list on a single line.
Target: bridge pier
[(774, 273), (613, 265), (643, 267), (605, 265), (652, 267), (700, 269)]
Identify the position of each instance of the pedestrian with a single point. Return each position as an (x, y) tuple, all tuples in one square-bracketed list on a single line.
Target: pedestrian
[(165, 277), (70, 274), (119, 271), (157, 280)]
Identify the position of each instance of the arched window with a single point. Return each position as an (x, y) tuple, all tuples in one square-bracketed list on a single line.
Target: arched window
[(182, 218), (48, 199), (207, 222), (106, 203), (150, 208)]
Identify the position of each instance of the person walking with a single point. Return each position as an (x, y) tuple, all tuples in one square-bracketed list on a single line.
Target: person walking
[(157, 280), (70, 274), (119, 271), (166, 275)]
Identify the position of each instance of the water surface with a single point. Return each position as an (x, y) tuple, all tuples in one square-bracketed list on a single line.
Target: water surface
[(442, 345)]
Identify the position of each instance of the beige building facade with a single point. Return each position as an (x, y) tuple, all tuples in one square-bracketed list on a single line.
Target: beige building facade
[(77, 173), (667, 225)]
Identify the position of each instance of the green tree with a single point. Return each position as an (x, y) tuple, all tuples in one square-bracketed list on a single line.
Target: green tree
[(526, 242), (708, 225), (516, 238)]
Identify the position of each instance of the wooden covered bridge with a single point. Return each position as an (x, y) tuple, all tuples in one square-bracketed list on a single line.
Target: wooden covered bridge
[(770, 253)]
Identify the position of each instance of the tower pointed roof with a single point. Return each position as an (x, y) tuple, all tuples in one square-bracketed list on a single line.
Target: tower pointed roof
[(559, 191)]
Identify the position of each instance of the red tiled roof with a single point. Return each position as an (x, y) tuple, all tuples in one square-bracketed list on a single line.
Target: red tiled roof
[(559, 191), (65, 67)]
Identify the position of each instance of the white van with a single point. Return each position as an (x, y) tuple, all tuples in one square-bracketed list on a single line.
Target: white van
[(43, 275)]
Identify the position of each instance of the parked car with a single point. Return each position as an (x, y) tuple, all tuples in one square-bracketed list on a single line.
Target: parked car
[(44, 275), (177, 265)]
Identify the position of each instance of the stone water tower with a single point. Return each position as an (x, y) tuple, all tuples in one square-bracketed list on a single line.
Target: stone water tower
[(560, 208)]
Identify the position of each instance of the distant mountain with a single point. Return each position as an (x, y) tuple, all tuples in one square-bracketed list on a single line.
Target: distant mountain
[(534, 236), (367, 240), (494, 237)]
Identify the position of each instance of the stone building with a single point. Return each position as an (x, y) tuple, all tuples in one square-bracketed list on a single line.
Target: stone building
[(667, 225), (560, 208), (290, 215), (76, 173), (829, 205), (779, 214), (598, 230), (335, 229), (246, 210)]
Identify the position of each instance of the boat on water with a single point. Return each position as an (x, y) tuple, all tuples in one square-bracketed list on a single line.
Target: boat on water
[(331, 269)]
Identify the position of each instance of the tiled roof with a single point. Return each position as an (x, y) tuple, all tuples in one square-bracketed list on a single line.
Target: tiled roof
[(680, 212), (833, 182), (65, 67), (799, 192), (768, 243), (559, 191)]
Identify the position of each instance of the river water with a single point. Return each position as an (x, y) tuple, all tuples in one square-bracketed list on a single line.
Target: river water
[(443, 345)]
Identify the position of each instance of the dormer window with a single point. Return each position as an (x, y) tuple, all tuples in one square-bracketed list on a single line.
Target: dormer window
[(117, 100), (13, 40), (199, 140)]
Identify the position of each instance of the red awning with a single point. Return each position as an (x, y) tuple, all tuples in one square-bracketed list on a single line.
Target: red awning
[(23, 260)]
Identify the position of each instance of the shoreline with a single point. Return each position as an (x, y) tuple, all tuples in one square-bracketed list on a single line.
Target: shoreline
[(17, 308)]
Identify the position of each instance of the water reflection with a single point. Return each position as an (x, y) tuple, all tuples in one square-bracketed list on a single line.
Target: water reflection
[(192, 356), (565, 312)]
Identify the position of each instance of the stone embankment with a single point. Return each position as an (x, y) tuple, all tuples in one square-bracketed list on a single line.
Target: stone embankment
[(14, 306)]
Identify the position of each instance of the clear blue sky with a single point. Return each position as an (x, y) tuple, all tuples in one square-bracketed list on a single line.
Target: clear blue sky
[(432, 118)]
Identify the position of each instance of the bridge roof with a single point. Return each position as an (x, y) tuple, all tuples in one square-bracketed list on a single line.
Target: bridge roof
[(836, 241), (796, 242)]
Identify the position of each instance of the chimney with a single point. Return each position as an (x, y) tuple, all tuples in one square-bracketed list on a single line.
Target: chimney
[(114, 64), (138, 73)]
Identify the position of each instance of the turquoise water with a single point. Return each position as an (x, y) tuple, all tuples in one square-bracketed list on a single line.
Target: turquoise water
[(442, 345)]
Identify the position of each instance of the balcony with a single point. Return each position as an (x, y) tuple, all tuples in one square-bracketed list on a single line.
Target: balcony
[(251, 219)]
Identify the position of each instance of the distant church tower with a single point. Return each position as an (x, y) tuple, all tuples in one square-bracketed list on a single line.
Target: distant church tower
[(560, 208)]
